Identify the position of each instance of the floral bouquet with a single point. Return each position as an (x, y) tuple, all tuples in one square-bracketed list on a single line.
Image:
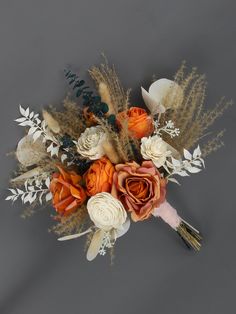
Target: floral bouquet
[(103, 161)]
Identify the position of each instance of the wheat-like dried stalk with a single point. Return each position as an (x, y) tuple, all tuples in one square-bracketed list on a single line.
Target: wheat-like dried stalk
[(71, 120), (117, 97)]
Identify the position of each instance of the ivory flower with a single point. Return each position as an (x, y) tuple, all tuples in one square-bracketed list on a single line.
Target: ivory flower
[(162, 94), (155, 149), (90, 143), (106, 212)]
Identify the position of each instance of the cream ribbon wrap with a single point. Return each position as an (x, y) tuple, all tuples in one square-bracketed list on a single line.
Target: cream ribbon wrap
[(169, 214)]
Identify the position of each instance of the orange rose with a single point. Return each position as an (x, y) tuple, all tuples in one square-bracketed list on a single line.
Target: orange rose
[(99, 176), (139, 123), (67, 193), (140, 188)]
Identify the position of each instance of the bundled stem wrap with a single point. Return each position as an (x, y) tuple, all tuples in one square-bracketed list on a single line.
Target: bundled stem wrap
[(189, 234)]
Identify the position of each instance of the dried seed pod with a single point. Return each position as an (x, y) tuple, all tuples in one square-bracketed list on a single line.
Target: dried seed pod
[(95, 244), (30, 152)]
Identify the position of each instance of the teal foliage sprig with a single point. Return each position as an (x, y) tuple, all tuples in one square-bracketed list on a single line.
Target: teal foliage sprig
[(96, 106)]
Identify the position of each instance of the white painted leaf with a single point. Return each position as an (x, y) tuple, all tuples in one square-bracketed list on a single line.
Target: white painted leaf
[(50, 147), (187, 154), (173, 180), (32, 130), (27, 112), (13, 191), (63, 157), (43, 124), (47, 182), (182, 173), (175, 162), (22, 110), (194, 169), (41, 198), (196, 163), (36, 135), (203, 162), (48, 197), (197, 152), (26, 123), (8, 198), (33, 198), (31, 115), (26, 198), (20, 119)]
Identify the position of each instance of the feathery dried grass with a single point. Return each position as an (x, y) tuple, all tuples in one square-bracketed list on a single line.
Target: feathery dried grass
[(71, 224), (127, 148), (71, 120), (188, 114), (117, 97)]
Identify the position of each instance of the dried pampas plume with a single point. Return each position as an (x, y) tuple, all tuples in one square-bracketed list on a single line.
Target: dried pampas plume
[(191, 117), (52, 123), (107, 75)]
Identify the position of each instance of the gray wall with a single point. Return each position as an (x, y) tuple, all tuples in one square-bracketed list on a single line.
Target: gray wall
[(153, 271)]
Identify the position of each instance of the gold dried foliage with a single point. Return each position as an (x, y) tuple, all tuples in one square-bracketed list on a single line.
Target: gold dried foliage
[(126, 147), (114, 139), (189, 115), (213, 144), (71, 120), (117, 97), (32, 209), (71, 224)]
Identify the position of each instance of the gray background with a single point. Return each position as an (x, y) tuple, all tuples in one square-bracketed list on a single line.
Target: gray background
[(153, 271)]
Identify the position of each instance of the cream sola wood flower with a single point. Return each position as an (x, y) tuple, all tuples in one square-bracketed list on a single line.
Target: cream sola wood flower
[(110, 222), (162, 94), (94, 143), (154, 148), (90, 143)]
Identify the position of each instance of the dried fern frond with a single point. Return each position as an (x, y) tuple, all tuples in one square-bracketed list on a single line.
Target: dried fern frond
[(189, 115), (71, 120), (71, 224), (117, 97)]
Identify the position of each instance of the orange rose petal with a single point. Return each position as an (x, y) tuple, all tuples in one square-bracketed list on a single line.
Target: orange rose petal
[(60, 206), (75, 178), (71, 207), (64, 174)]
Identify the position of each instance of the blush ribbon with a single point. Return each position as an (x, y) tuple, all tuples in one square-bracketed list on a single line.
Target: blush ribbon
[(169, 214)]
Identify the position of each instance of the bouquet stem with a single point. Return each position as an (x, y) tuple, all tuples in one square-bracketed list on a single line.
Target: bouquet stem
[(188, 233)]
